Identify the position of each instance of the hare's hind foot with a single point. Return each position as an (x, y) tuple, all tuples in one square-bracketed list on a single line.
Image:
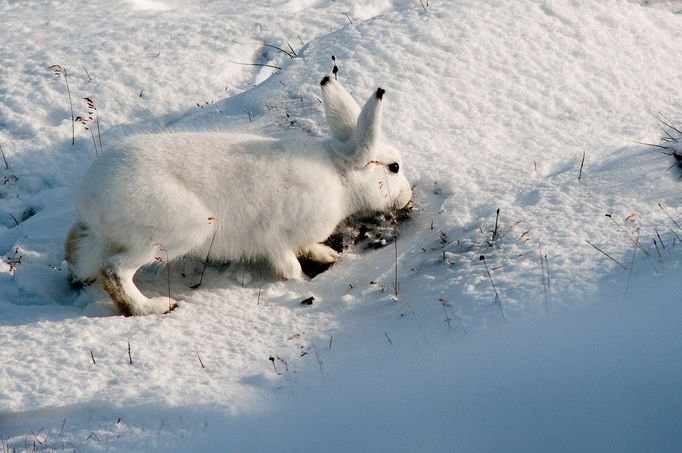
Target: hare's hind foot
[(319, 253), (128, 299)]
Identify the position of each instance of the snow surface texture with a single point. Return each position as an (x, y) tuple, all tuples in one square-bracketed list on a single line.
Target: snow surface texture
[(493, 103)]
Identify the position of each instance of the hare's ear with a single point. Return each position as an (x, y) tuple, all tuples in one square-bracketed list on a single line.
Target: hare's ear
[(368, 129), (340, 109)]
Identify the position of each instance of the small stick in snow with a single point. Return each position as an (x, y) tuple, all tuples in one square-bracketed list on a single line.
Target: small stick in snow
[(130, 356), (92, 356), (582, 163), (200, 361)]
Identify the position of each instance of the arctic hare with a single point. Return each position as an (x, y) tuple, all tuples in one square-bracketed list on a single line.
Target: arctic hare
[(253, 197)]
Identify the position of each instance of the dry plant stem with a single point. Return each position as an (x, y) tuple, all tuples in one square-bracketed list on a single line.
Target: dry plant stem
[(388, 338), (59, 70), (94, 143), (660, 240), (635, 241), (203, 269), (632, 267), (549, 282), (492, 283), (99, 134), (167, 262), (448, 319), (130, 356), (92, 356), (4, 158), (669, 216), (255, 64), (545, 280), (319, 363), (394, 222), (291, 54), (73, 121), (606, 255), (582, 163), (200, 361), (497, 225), (170, 301), (396, 284)]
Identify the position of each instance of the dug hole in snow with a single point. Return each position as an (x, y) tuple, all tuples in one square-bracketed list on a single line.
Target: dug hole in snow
[(495, 105)]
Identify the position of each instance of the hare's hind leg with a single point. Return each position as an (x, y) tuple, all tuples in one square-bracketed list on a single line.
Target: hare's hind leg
[(117, 280)]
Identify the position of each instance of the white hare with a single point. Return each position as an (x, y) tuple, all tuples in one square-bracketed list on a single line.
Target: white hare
[(253, 197)]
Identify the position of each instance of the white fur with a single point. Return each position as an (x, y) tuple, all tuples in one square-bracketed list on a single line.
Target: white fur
[(260, 197)]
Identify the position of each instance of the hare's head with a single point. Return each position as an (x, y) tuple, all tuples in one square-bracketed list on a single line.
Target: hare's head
[(372, 166)]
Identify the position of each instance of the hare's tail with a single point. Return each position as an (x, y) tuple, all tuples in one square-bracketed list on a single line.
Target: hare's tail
[(83, 252)]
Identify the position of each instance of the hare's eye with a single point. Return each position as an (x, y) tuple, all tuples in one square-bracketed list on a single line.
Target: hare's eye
[(394, 167)]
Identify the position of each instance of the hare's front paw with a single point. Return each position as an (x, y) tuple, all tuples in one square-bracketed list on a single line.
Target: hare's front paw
[(319, 253), (287, 266)]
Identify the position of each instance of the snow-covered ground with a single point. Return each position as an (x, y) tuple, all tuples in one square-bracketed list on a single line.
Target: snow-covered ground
[(495, 105)]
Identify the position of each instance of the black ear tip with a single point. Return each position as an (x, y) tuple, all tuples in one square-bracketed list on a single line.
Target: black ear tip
[(380, 93), (325, 80)]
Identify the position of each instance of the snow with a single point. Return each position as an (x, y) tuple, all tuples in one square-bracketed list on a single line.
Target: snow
[(493, 104)]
